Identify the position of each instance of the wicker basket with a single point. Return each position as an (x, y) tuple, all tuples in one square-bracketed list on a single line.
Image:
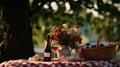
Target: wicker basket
[(99, 53)]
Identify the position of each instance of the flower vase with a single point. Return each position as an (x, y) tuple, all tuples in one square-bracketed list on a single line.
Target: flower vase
[(65, 51)]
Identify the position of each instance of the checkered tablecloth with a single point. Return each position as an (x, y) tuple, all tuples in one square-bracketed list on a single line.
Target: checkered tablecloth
[(27, 63)]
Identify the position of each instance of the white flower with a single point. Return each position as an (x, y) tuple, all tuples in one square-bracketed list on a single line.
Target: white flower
[(54, 42), (65, 26)]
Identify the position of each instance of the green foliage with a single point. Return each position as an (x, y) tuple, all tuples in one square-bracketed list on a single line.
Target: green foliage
[(81, 12), (108, 16)]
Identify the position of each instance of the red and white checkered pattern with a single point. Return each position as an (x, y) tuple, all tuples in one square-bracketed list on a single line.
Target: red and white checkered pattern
[(27, 63)]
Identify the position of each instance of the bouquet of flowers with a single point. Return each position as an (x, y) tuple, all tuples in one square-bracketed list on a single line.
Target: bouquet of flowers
[(63, 35)]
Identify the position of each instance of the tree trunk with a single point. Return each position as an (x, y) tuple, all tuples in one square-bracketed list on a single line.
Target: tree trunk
[(17, 30)]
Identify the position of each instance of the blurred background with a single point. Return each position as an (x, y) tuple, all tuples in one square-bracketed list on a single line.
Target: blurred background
[(90, 15)]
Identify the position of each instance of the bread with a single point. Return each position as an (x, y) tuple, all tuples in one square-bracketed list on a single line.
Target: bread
[(37, 57)]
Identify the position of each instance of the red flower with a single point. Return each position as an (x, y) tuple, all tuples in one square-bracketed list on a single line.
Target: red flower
[(55, 30), (58, 35), (76, 38), (76, 26), (52, 38), (80, 40)]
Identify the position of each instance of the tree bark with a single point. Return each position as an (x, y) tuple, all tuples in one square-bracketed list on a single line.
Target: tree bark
[(17, 30)]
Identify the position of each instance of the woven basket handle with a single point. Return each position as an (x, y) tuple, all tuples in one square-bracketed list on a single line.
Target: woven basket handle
[(100, 36)]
